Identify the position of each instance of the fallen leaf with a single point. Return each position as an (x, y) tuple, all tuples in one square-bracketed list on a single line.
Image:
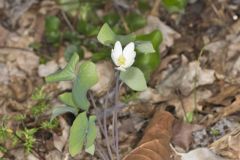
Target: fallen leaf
[(228, 145), (60, 141), (105, 73), (4, 34), (185, 77), (224, 112), (225, 92), (200, 154), (47, 69), (155, 143), (182, 133)]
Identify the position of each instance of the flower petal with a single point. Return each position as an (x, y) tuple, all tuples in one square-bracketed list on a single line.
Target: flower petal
[(121, 68), (129, 61), (116, 52), (128, 51)]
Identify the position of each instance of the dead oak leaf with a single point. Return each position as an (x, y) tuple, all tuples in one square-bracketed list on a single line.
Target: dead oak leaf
[(182, 133)]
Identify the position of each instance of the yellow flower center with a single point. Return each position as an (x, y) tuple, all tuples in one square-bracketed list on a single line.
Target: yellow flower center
[(121, 60)]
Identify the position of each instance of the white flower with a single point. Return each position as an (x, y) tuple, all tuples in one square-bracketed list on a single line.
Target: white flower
[(123, 58)]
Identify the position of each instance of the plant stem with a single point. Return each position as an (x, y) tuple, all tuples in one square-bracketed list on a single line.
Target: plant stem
[(115, 118), (103, 127)]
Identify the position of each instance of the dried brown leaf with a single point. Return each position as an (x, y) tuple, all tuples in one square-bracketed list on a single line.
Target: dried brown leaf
[(182, 133), (228, 145), (155, 143)]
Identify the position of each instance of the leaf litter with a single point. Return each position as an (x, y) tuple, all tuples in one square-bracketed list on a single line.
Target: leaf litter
[(208, 87)]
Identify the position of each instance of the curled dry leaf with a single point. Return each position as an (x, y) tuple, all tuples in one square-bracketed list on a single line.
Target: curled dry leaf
[(221, 97), (224, 112), (186, 77), (189, 103), (155, 143), (228, 145)]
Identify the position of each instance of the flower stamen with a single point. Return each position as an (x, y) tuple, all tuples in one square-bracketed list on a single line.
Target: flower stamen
[(121, 60)]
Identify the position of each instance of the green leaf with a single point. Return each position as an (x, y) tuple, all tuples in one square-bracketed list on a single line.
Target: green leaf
[(106, 36), (155, 37), (149, 62), (61, 110), (125, 39), (67, 99), (77, 134), (90, 149), (86, 78), (111, 18), (52, 23), (70, 6), (144, 47), (92, 131), (135, 21), (134, 79), (175, 5), (71, 49), (67, 73), (189, 117), (52, 32)]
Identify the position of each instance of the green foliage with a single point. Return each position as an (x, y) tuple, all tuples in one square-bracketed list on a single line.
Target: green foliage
[(189, 117), (83, 131), (149, 62), (61, 110), (175, 5), (68, 73), (19, 117), (135, 21), (144, 47), (85, 28), (71, 49), (52, 32), (49, 124), (134, 79), (86, 78), (91, 135), (215, 132), (130, 97), (39, 108), (106, 36), (3, 150), (28, 136), (111, 18), (38, 94), (67, 99)]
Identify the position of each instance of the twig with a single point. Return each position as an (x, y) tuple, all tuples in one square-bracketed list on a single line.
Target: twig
[(101, 152), (125, 25), (67, 21), (154, 11)]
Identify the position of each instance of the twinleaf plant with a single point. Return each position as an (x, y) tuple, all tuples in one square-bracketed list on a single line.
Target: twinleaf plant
[(124, 51)]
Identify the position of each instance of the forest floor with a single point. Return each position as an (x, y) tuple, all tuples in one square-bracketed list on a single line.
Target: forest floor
[(197, 81)]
